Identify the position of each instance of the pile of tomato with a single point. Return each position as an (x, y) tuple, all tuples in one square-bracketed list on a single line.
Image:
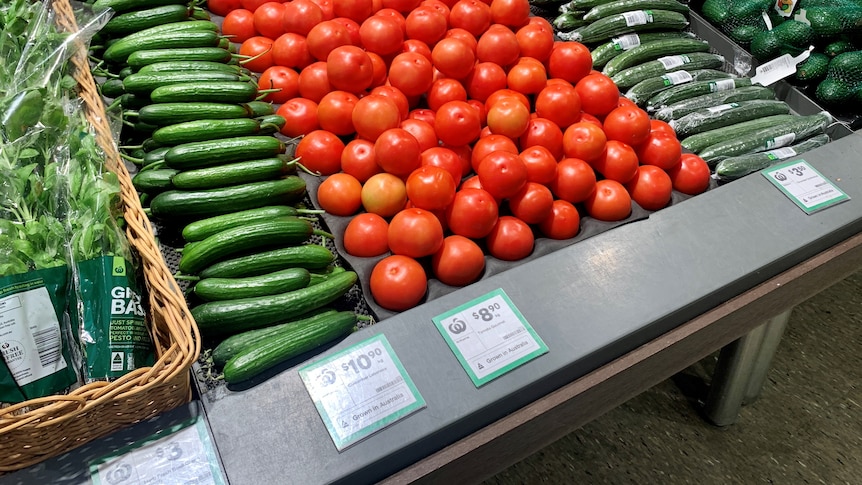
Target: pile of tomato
[(451, 128)]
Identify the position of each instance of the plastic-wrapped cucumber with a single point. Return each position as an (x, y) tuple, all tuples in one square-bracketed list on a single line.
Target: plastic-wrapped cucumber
[(650, 51), (663, 65), (567, 21), (732, 168), (699, 142), (768, 138), (679, 93), (641, 92), (686, 106), (706, 119), (616, 46), (623, 23)]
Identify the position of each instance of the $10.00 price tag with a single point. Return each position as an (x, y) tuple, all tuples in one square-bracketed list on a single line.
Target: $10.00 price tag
[(804, 185), (489, 336), (360, 390)]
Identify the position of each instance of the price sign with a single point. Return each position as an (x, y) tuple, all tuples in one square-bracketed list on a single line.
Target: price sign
[(804, 185), (361, 390), (185, 455), (489, 336)]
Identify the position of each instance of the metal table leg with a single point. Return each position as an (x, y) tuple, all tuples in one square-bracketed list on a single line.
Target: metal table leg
[(775, 327)]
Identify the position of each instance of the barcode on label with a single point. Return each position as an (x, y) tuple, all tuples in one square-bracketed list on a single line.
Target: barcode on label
[(780, 63), (48, 346), (677, 77), (781, 153), (626, 42), (780, 141), (722, 85), (670, 62), (637, 17)]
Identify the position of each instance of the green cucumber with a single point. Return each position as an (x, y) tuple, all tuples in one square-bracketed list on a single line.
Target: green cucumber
[(641, 92), (197, 204), (567, 21), (230, 316), (187, 66), (119, 6), (309, 256), (318, 276), (652, 51), (292, 341), (119, 51), (663, 65), (585, 4), (697, 143), (275, 122), (112, 88), (680, 93), (261, 108), (217, 289), (686, 106), (706, 119), (205, 129), (236, 343), (154, 156), (205, 91), (152, 181), (621, 6), (145, 57), (207, 153), (617, 45), (137, 20), (234, 173), (145, 83), (623, 23), (165, 114), (739, 166), (766, 139), (202, 229)]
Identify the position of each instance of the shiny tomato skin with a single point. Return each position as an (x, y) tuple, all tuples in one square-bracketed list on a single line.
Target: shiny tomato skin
[(445, 158), (259, 50), (472, 213), (381, 34), (358, 159), (313, 82), (485, 79), (223, 7), (398, 283), (335, 112), (326, 36), (660, 149), (443, 91), (570, 61), (349, 68), (397, 152), (384, 194), (511, 239), (422, 131), (321, 152), (536, 41), (628, 124), (559, 103), (499, 45), (457, 123), (366, 236), (543, 132), (395, 95), (532, 204), (541, 164), (411, 73), (453, 57), (268, 19), (458, 262), (584, 140), (651, 188), (474, 16), (239, 24), (619, 162), (599, 95), (426, 24), (511, 13), (282, 78), (415, 233), (339, 194), (574, 180), (300, 16), (502, 174), (291, 50), (489, 144), (430, 188), (609, 202), (691, 175), (374, 114), (300, 116), (508, 117), (563, 223)]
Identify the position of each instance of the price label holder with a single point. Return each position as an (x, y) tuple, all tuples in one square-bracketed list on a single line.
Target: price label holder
[(489, 336), (181, 454), (804, 185), (361, 390)]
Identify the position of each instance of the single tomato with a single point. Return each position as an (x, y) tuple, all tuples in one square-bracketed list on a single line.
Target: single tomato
[(532, 204), (559, 103), (238, 25), (570, 61), (283, 80), (430, 188), (457, 123), (651, 187), (366, 235), (397, 152), (619, 162), (472, 213), (584, 140), (541, 164), (326, 36), (458, 262), (320, 151), (300, 117), (349, 68), (415, 232), (628, 124), (398, 283), (291, 50), (502, 173), (609, 202), (660, 149), (383, 194), (339, 194), (374, 114), (511, 239), (358, 159), (489, 144), (574, 180), (335, 112), (691, 175), (563, 223), (598, 94), (300, 16)]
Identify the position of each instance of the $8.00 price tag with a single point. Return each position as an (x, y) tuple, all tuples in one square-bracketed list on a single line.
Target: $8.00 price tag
[(489, 336), (360, 390), (804, 185)]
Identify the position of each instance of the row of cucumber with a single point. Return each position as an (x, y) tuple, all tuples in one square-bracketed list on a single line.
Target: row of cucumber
[(213, 166)]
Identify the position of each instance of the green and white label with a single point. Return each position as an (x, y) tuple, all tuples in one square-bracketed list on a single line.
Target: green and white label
[(489, 336), (361, 390), (804, 185)]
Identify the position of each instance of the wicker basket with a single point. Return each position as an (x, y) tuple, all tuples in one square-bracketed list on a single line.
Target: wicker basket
[(36, 430)]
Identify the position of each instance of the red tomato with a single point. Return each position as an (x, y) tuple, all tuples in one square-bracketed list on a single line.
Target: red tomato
[(659, 126), (381, 34), (356, 10), (473, 16), (570, 61), (541, 164), (395, 15), (239, 25), (599, 95), (374, 114), (335, 112), (327, 8), (584, 140), (379, 69), (395, 95), (480, 108), (660, 149), (563, 223), (461, 34), (422, 114), (444, 158), (485, 79), (426, 24), (397, 152), (411, 73), (398, 283), (532, 204), (313, 82), (543, 132), (339, 194), (439, 6), (591, 119), (384, 194), (252, 4), (473, 213), (506, 93), (300, 116), (430, 188), (536, 41), (498, 45), (259, 51), (444, 90), (628, 124), (559, 103), (511, 13), (527, 77), (291, 50), (690, 175), (423, 132), (300, 16), (490, 144), (223, 7), (511, 239), (651, 187), (508, 117), (417, 47), (457, 123), (268, 19), (574, 180), (358, 160), (326, 36), (403, 6), (283, 79), (619, 162), (320, 151), (453, 57), (366, 236), (458, 262), (415, 232), (464, 153), (502, 174), (609, 202)]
